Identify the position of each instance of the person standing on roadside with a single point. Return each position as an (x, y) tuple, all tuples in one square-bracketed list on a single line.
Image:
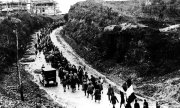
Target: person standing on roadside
[(113, 100), (136, 104), (122, 99), (145, 104), (157, 105), (110, 92)]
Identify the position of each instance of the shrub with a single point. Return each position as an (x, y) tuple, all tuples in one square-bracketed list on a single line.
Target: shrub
[(146, 48), (25, 24)]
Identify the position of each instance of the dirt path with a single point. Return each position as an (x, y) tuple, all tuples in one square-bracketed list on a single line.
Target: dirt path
[(69, 99)]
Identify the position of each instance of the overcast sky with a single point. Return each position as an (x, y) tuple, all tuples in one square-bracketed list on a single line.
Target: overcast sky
[(64, 5)]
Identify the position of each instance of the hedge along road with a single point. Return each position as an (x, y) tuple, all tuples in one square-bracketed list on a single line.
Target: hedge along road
[(68, 99)]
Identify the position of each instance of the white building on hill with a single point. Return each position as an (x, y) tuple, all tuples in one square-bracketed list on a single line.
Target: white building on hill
[(43, 7), (13, 6)]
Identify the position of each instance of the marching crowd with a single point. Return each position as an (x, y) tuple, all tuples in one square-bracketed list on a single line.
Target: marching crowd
[(72, 77)]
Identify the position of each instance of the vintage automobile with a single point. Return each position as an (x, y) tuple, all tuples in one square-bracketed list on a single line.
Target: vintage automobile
[(48, 76)]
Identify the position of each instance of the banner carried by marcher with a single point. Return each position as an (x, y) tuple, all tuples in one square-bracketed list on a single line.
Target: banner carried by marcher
[(128, 88)]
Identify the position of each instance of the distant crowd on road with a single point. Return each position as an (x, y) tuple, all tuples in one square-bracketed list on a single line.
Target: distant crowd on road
[(71, 76)]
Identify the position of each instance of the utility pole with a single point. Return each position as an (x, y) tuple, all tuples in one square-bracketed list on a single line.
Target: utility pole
[(18, 7), (18, 72), (36, 7), (7, 8), (21, 5), (54, 7), (31, 7)]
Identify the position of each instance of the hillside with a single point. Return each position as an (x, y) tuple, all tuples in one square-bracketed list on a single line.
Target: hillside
[(157, 9), (121, 47), (25, 25), (89, 30)]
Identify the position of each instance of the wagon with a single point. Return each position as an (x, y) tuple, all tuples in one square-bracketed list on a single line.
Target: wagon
[(48, 77)]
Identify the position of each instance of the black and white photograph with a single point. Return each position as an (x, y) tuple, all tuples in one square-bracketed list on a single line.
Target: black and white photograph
[(89, 53)]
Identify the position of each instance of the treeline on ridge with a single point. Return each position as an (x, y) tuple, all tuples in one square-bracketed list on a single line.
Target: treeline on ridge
[(145, 48), (162, 9), (25, 24)]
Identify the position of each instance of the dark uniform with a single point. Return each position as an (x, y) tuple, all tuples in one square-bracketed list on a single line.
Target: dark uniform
[(113, 100), (64, 82), (136, 104), (122, 98), (80, 74), (74, 70), (90, 90), (97, 94), (145, 105), (110, 92), (73, 83), (128, 105), (93, 79), (77, 80), (84, 86), (61, 73)]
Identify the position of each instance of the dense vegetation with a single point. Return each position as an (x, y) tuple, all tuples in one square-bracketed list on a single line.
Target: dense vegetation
[(25, 24), (162, 9), (157, 9), (147, 49)]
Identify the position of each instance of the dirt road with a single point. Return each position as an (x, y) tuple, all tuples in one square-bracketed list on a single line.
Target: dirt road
[(69, 99)]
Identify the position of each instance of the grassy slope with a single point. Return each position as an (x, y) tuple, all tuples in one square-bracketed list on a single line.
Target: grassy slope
[(152, 87), (10, 98), (133, 8), (163, 88)]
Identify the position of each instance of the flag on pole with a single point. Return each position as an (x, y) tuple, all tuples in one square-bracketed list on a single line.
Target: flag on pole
[(128, 88)]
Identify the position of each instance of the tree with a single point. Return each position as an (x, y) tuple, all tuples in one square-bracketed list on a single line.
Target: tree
[(66, 17), (173, 1)]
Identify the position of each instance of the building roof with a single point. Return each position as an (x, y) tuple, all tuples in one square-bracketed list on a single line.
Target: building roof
[(12, 3), (7, 9), (42, 1)]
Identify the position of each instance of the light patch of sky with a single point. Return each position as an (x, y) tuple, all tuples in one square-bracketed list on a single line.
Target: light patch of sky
[(64, 5)]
